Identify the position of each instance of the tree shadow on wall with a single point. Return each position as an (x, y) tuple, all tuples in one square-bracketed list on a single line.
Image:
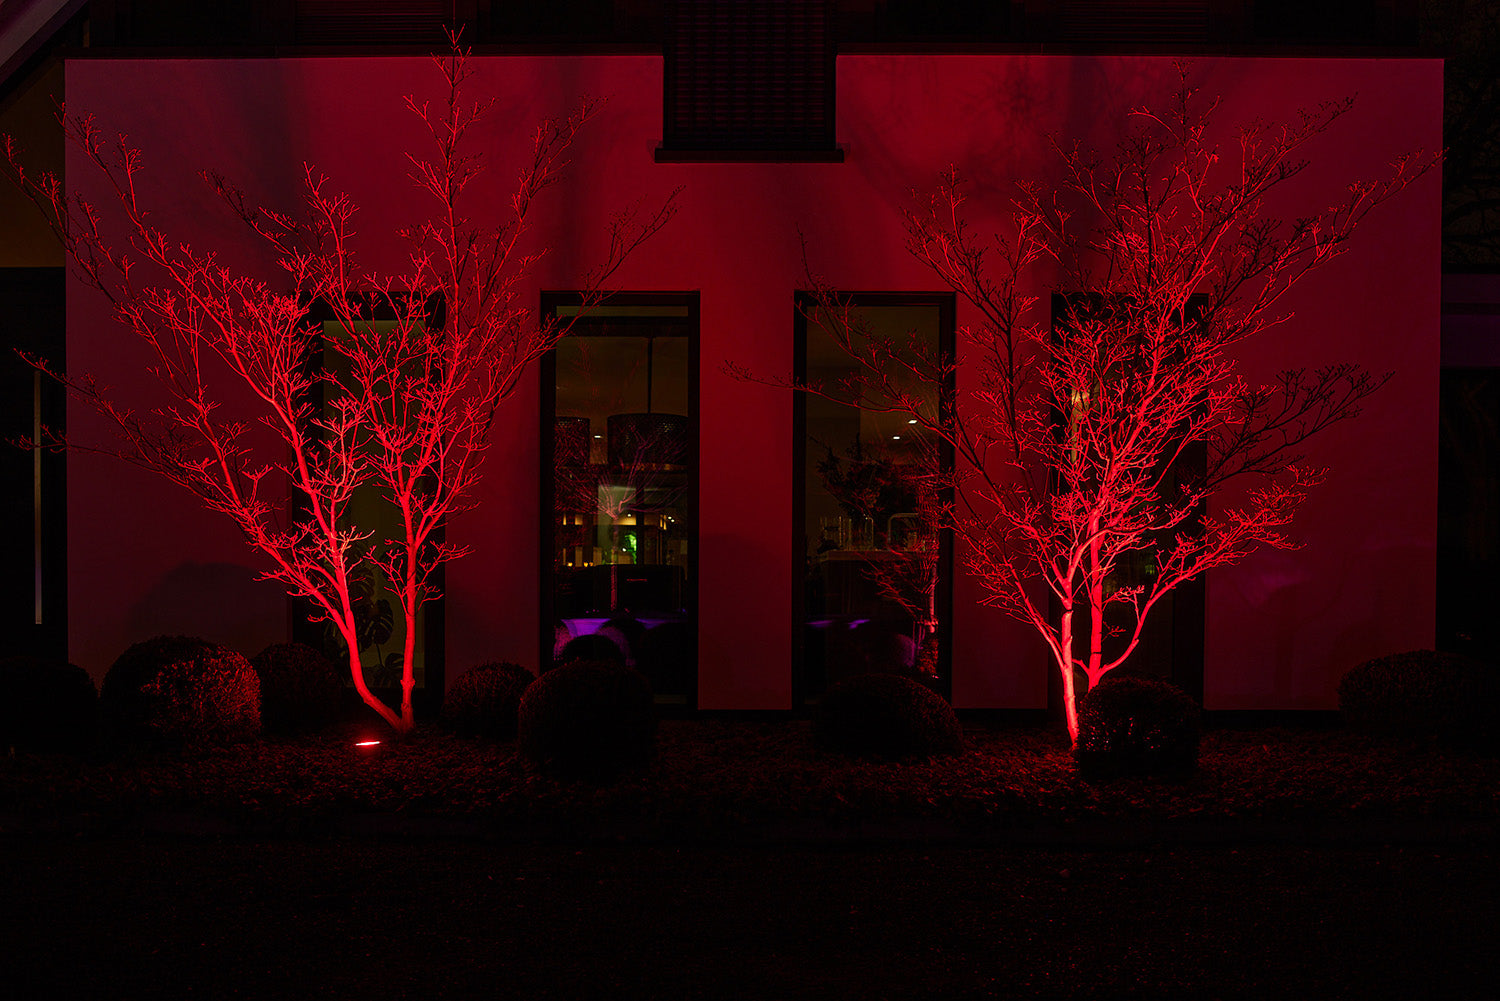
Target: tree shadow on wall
[(221, 602)]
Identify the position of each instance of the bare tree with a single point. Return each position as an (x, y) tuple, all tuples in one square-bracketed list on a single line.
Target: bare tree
[(1068, 455), (406, 407)]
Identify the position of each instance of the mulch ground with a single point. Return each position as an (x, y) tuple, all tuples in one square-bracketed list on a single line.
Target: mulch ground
[(744, 863), (165, 918), (714, 777)]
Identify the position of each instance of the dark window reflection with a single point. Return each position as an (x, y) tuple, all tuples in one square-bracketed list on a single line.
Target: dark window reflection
[(623, 488), (1171, 641), (872, 492), (379, 622), (1468, 510)]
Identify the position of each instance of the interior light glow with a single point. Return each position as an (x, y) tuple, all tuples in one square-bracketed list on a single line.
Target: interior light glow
[(366, 743)]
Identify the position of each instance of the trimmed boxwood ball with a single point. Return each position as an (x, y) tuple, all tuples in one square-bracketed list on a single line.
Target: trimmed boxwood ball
[(484, 700), (300, 688), (1129, 725), (180, 690), (886, 716), (1424, 693), (624, 632), (121, 703), (590, 646), (46, 706), (587, 719)]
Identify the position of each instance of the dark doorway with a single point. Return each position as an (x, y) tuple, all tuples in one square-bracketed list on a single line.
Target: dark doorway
[(1468, 511), (620, 487), (33, 549), (1171, 642), (377, 608), (876, 583)]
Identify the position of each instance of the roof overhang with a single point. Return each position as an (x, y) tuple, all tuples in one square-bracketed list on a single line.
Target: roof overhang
[(25, 27)]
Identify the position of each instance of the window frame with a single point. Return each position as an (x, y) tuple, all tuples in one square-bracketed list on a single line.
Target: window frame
[(550, 303), (36, 478), (946, 303), (1187, 601), (427, 696)]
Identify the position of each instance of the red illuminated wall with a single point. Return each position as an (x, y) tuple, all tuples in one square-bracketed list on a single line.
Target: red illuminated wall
[(1281, 627)]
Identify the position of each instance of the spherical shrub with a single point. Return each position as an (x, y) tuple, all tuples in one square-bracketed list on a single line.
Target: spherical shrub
[(626, 633), (882, 648), (588, 719), (1130, 725), (119, 694), (46, 706), (180, 690), (300, 689), (1424, 693), (484, 700), (590, 646), (560, 639), (886, 716)]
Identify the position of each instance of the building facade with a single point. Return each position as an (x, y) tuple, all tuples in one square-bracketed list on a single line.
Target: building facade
[(730, 550)]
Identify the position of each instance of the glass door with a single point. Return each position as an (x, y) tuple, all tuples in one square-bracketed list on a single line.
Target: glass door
[(620, 488), (875, 557)]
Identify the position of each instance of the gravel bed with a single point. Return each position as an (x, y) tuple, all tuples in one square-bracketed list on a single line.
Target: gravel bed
[(719, 776)]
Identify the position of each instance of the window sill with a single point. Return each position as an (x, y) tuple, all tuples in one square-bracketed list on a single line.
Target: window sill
[(833, 154)]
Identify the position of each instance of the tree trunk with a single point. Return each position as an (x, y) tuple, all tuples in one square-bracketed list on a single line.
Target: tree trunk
[(408, 660), (1065, 664), (357, 671), (1096, 609)]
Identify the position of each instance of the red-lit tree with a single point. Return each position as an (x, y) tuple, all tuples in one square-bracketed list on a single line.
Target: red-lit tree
[(1068, 454), (406, 405)]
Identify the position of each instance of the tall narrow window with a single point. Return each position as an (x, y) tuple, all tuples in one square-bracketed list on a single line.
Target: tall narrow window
[(33, 408), (1468, 510), (620, 488), (379, 622), (1171, 642), (876, 584)]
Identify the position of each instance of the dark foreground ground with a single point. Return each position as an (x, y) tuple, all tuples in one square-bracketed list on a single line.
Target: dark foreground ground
[(745, 863), (113, 918)]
